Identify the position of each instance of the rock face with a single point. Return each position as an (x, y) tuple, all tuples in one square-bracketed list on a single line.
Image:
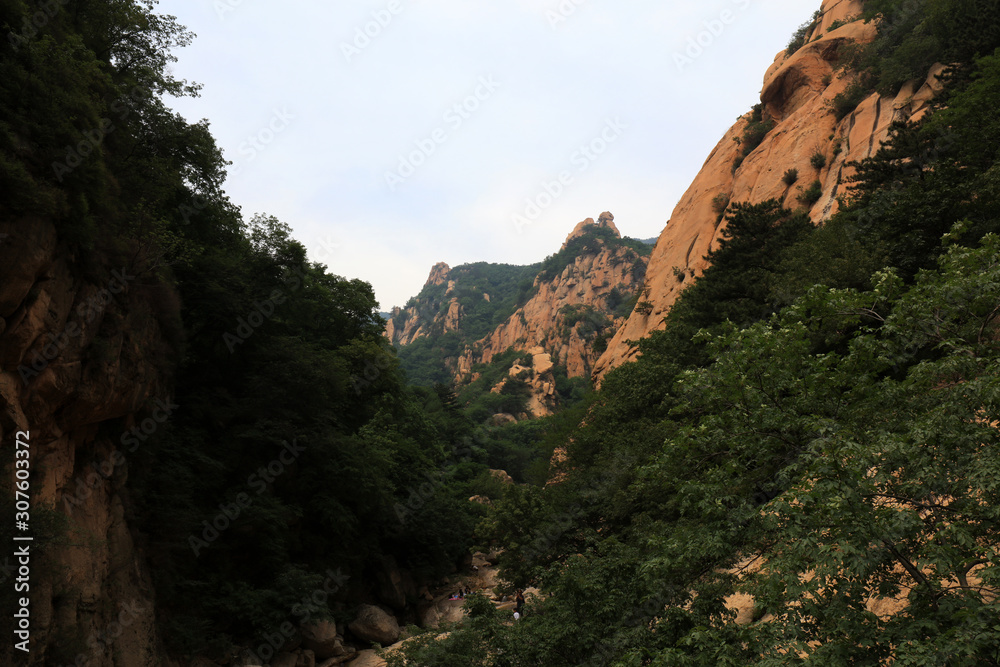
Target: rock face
[(321, 638), (797, 94), (557, 325), (375, 626), (414, 327), (586, 282), (82, 359)]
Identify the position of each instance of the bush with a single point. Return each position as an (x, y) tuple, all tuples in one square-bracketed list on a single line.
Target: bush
[(818, 160), (720, 203), (811, 195), (798, 39), (790, 177), (754, 135), (846, 102)]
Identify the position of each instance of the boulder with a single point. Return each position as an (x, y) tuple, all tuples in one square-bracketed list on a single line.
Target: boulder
[(284, 659), (330, 662), (395, 585), (375, 626), (502, 476), (368, 659), (321, 638), (429, 616), (306, 659)]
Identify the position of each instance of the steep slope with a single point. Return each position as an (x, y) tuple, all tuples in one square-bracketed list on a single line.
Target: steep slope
[(798, 96), (559, 312), (84, 363)]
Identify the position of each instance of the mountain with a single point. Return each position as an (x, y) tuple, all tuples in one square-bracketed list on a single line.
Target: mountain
[(797, 465), (553, 319), (804, 122)]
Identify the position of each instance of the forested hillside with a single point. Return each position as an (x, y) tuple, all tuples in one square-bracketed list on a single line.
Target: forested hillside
[(230, 459), (530, 333), (802, 467), (253, 439)]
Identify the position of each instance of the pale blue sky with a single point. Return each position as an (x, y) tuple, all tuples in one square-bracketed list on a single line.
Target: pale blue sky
[(534, 80)]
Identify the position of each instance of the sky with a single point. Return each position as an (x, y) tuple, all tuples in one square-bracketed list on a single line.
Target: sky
[(395, 134)]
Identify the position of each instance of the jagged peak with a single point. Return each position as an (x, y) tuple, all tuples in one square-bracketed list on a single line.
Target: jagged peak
[(606, 220), (439, 275)]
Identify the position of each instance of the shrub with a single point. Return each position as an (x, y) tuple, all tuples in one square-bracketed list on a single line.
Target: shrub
[(644, 307), (818, 160), (720, 203), (754, 135), (811, 195), (846, 102), (790, 177), (757, 128), (798, 39)]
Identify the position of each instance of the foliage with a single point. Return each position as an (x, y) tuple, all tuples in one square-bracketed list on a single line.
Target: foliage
[(790, 177), (587, 320), (296, 439), (812, 194), (811, 428), (915, 34), (818, 160), (593, 240), (846, 102), (798, 39), (758, 126)]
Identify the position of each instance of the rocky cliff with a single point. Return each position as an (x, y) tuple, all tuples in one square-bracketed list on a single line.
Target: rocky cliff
[(797, 98), (574, 303), (82, 354)]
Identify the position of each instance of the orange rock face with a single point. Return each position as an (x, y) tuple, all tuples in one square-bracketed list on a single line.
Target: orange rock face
[(797, 94), (540, 327), (586, 282)]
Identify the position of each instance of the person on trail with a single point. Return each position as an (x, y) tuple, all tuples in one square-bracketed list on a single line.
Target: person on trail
[(519, 602)]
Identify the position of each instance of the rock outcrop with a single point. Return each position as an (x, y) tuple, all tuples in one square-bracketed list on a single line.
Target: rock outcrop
[(375, 626), (558, 324), (82, 362), (585, 283), (797, 95)]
